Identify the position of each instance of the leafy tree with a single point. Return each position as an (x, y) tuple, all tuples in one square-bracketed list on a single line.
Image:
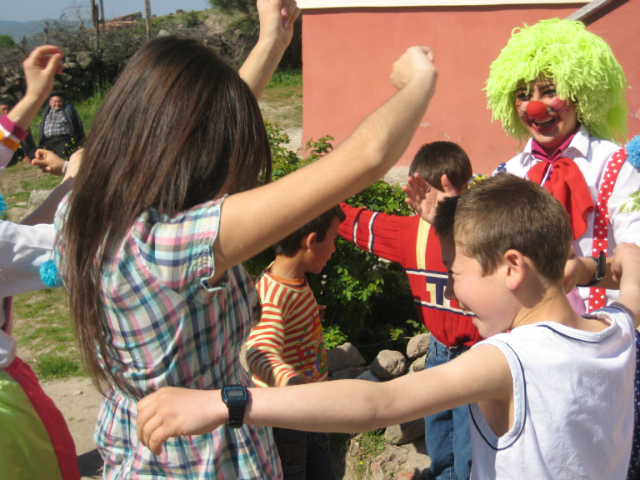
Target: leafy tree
[(6, 41), (244, 6)]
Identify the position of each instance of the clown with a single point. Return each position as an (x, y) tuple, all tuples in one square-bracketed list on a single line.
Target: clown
[(560, 86)]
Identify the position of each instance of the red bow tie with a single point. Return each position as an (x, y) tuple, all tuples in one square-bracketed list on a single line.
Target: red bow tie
[(567, 184)]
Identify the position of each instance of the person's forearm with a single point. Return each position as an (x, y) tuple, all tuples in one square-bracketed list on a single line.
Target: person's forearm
[(261, 63), (26, 110), (317, 408)]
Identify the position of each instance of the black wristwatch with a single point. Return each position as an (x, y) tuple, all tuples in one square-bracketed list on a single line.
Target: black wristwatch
[(235, 398), (601, 270)]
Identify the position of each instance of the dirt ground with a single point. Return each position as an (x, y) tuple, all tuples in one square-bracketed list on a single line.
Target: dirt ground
[(79, 401)]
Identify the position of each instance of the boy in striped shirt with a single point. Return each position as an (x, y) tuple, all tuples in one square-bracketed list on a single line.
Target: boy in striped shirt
[(286, 346)]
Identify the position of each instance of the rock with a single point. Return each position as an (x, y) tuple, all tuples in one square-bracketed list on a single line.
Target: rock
[(418, 364), (397, 176), (243, 358), (370, 377), (376, 471), (85, 60), (418, 345), (214, 25), (344, 356), (37, 198), (78, 392), (405, 432), (348, 373), (388, 364), (163, 33)]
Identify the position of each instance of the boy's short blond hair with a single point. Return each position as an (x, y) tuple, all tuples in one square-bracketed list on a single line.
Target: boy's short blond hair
[(503, 213)]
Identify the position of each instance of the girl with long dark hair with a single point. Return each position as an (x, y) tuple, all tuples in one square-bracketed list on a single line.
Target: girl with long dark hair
[(164, 211)]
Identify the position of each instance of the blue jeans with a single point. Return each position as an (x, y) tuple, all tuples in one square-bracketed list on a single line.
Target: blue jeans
[(304, 455), (447, 433)]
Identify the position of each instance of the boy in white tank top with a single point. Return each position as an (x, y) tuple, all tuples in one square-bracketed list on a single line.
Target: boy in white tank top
[(551, 392)]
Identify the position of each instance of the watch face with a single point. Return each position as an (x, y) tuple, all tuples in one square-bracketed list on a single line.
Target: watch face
[(235, 394)]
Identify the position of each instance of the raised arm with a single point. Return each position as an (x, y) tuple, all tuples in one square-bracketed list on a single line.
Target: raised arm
[(40, 69), (253, 220), (276, 30), (626, 270)]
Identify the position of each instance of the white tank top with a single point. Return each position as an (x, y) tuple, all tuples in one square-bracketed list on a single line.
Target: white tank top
[(573, 404)]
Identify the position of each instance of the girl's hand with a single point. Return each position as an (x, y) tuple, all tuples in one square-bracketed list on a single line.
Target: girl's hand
[(48, 162), (171, 412), (416, 61), (40, 69), (276, 20)]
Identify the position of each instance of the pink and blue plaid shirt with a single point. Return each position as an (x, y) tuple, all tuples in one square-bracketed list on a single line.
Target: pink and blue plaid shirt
[(165, 326)]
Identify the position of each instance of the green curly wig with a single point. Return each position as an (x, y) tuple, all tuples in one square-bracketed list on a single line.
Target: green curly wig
[(580, 63)]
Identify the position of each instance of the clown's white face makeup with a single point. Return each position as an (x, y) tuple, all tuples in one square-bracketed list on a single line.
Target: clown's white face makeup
[(552, 129)]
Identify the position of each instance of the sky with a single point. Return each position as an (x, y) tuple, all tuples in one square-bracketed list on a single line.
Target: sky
[(28, 10)]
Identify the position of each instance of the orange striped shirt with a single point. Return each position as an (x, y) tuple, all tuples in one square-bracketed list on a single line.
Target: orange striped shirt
[(288, 339)]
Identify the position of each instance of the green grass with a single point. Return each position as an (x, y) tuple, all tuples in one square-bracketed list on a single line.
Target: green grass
[(54, 366), (45, 182), (45, 335), (371, 444), (286, 78)]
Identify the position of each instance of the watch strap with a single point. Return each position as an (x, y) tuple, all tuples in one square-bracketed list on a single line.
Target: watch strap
[(236, 416), (601, 269)]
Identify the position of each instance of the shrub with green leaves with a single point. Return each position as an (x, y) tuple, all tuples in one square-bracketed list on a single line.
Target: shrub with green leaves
[(364, 294)]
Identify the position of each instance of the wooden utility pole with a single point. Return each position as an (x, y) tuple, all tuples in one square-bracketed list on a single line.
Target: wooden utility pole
[(96, 27), (147, 13), (102, 14)]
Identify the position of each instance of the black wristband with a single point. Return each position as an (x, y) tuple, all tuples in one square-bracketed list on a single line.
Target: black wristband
[(235, 398), (601, 270)]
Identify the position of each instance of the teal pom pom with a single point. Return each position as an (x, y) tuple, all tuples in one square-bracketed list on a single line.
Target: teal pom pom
[(633, 152), (49, 274), (3, 204)]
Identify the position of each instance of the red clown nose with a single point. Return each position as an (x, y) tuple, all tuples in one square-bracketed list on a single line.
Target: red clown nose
[(536, 109)]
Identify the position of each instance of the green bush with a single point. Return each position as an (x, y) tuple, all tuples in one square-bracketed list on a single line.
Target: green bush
[(364, 295)]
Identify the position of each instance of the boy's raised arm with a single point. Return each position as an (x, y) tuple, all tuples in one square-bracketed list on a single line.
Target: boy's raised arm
[(340, 406), (626, 269)]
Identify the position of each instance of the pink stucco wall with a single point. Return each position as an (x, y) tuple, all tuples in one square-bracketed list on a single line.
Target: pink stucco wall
[(348, 53)]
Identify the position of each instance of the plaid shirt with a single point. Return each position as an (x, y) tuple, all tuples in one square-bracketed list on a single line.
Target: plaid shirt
[(164, 326), (56, 125)]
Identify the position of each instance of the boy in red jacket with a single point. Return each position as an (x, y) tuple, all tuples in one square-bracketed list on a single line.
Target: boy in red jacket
[(411, 242)]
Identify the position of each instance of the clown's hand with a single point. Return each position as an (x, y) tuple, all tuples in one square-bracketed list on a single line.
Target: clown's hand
[(171, 412)]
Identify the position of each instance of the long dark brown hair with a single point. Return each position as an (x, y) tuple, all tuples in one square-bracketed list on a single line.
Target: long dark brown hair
[(179, 128)]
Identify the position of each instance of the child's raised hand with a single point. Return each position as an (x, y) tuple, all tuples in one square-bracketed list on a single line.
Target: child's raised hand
[(171, 412), (40, 69), (416, 61), (416, 191), (277, 18)]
